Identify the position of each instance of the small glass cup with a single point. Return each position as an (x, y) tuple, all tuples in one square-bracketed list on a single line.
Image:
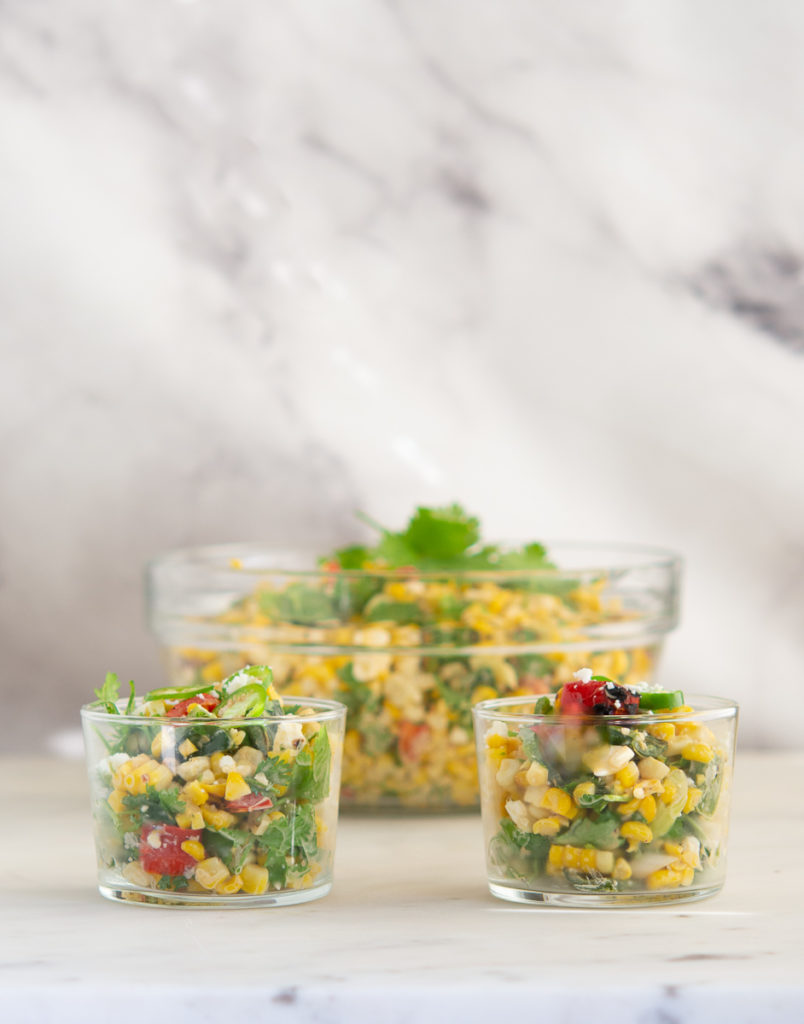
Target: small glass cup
[(197, 812), (608, 810)]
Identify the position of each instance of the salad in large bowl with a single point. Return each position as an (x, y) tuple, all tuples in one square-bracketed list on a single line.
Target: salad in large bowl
[(410, 631)]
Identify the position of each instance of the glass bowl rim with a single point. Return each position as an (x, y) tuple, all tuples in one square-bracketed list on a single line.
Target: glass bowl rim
[(720, 708), (215, 558), (326, 711)]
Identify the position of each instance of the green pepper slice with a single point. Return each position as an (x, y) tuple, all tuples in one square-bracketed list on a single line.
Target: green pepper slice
[(247, 702), (179, 692), (661, 700)]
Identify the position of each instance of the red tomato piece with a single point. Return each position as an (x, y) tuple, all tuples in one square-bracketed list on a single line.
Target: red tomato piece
[(208, 701), (166, 858), (413, 741), (596, 698), (249, 802)]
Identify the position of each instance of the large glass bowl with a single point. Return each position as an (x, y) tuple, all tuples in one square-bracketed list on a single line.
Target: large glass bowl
[(605, 810), (407, 652), (215, 812)]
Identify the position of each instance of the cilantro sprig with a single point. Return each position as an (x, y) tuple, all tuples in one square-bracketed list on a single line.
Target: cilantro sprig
[(109, 694), (441, 538)]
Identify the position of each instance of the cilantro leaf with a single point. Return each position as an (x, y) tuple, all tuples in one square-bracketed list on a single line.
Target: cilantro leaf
[(109, 693), (442, 533)]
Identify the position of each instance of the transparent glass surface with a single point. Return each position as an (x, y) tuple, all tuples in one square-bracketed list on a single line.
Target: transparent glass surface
[(215, 812), (407, 652), (608, 810)]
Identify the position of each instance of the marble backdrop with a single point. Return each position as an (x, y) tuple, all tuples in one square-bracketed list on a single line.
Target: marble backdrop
[(264, 263)]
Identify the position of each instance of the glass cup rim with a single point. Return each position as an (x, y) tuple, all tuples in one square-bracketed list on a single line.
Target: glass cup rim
[(718, 708), (325, 711), (216, 558)]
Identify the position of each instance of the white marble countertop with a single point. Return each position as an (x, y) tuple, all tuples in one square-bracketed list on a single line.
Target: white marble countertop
[(409, 931)]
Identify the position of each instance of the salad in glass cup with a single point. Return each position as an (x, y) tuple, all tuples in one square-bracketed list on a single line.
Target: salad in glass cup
[(605, 795), (223, 795)]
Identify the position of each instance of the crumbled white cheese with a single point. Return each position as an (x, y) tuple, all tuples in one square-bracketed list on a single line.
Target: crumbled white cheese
[(583, 675), (237, 682), (289, 736)]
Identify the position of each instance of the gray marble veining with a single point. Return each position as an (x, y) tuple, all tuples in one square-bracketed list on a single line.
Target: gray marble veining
[(263, 264)]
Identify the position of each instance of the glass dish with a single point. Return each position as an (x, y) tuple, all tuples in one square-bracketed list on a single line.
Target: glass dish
[(608, 810), (409, 652), (176, 821)]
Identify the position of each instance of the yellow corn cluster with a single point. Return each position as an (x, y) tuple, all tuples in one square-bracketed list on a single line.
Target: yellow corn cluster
[(579, 859)]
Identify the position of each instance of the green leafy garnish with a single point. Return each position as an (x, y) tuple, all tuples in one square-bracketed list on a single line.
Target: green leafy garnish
[(521, 854), (109, 693), (154, 805), (441, 538), (600, 832)]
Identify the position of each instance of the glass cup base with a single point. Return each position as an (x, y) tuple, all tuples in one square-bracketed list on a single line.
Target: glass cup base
[(193, 901), (600, 900)]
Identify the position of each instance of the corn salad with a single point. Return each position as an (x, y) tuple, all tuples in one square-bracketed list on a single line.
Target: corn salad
[(224, 793), (607, 799)]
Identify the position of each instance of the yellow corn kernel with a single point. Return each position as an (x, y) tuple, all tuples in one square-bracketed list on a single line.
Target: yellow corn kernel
[(255, 879), (647, 808), (635, 832), (555, 858), (674, 849), (229, 886), (547, 826), (193, 848), (664, 878), (669, 793), (693, 799), (700, 752), (560, 802), (215, 817), (483, 693), (604, 861), (687, 875), (622, 870), (581, 790), (161, 777), (210, 872), (236, 786), (572, 857), (195, 791), (630, 807), (215, 761), (190, 817), (187, 747), (663, 731), (115, 801), (627, 775), (496, 740), (214, 788), (156, 744)]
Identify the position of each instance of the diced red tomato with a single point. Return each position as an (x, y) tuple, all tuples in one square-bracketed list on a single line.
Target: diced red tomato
[(249, 802), (167, 858), (208, 701), (413, 741), (597, 697)]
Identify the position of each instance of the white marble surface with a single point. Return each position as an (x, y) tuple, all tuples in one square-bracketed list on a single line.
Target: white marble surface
[(408, 932), (262, 264)]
